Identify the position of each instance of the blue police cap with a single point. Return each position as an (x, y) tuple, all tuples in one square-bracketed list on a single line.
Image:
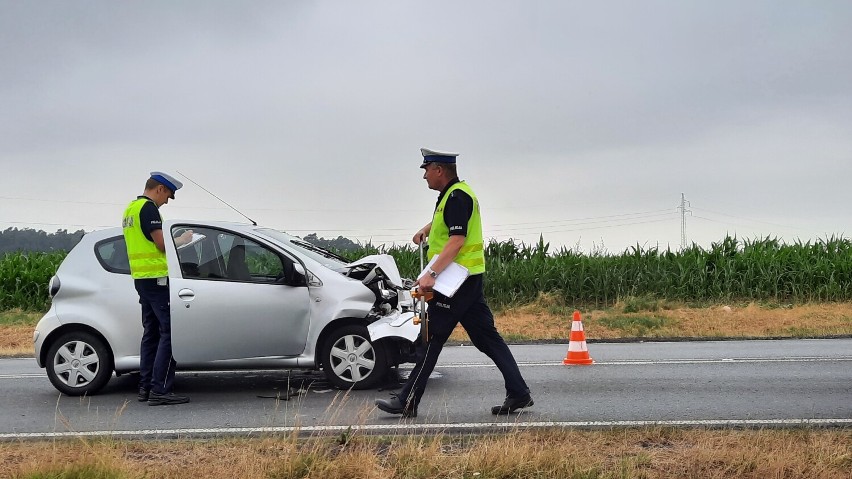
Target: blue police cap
[(432, 156), (167, 180)]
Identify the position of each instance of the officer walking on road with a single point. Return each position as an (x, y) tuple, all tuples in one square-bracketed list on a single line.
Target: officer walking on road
[(455, 234), (143, 234)]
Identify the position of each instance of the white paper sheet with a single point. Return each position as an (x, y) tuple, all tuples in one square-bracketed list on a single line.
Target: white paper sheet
[(196, 237), (449, 281)]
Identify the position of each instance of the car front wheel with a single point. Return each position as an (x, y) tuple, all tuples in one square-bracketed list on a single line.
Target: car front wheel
[(79, 363), (351, 360)]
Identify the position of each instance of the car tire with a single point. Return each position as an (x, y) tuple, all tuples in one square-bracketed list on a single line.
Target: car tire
[(351, 361), (79, 363)]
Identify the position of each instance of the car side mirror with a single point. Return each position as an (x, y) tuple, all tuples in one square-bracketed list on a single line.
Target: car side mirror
[(300, 276), (293, 275)]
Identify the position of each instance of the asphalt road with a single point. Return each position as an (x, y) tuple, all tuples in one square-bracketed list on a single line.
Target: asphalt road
[(727, 383)]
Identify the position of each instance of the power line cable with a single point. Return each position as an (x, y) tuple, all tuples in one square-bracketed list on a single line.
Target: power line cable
[(316, 210), (492, 228), (543, 227), (586, 218), (489, 232), (593, 227), (28, 223), (670, 214), (747, 219)]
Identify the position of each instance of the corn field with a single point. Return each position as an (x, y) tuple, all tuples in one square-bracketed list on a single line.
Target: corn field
[(730, 270), (24, 278)]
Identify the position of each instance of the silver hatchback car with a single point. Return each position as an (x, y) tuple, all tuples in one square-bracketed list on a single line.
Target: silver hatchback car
[(242, 297)]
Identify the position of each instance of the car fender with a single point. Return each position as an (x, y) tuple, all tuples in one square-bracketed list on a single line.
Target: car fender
[(395, 325), (45, 327)]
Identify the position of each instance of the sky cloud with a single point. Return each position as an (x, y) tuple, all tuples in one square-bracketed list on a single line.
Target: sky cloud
[(309, 115)]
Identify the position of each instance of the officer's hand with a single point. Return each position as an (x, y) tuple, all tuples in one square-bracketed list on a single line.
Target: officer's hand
[(419, 237), (426, 283), (185, 238)]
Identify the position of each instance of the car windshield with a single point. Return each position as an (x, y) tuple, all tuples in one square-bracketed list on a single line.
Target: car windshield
[(322, 256)]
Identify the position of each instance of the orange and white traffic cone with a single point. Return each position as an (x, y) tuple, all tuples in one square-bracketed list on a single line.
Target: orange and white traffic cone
[(578, 352)]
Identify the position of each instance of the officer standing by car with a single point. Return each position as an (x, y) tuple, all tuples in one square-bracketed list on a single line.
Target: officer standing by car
[(455, 234), (143, 234)]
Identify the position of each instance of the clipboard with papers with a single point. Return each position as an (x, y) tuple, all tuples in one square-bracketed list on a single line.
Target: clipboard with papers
[(450, 279), (196, 237)]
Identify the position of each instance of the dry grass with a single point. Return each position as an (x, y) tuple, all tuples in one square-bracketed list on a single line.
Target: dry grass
[(562, 453), (544, 320), (16, 332), (16, 341)]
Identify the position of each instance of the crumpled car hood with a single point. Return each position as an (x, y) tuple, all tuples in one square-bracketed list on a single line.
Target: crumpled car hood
[(383, 263)]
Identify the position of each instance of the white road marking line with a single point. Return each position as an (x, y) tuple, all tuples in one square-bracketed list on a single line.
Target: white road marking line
[(532, 364), (22, 376), (659, 361), (409, 428)]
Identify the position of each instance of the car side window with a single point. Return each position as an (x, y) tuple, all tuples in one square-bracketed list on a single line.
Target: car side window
[(223, 255), (192, 256), (112, 255), (262, 263)]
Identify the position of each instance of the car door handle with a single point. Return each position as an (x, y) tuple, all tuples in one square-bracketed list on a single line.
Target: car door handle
[(186, 294)]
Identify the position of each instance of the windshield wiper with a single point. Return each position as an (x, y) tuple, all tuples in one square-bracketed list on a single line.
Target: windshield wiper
[(317, 249)]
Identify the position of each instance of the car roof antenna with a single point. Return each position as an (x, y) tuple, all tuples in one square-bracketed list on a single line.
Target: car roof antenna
[(253, 222)]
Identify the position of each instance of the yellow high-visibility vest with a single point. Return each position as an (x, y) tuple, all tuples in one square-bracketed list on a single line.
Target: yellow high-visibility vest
[(471, 255), (146, 260)]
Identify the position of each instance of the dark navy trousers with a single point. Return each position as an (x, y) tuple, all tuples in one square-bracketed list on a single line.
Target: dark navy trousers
[(469, 308), (156, 364)]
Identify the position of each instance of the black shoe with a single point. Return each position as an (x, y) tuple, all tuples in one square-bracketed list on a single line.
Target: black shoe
[(166, 399), (511, 404), (395, 406), (143, 394)]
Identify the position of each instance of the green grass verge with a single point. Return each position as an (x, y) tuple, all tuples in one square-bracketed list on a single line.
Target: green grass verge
[(16, 317)]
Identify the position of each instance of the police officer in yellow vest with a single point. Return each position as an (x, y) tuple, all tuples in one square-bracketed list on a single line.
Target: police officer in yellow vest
[(455, 234), (143, 233)]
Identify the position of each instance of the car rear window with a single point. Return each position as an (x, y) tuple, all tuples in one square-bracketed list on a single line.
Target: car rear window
[(112, 255)]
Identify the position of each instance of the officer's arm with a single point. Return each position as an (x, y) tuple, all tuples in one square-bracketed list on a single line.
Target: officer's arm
[(184, 238), (152, 224), (457, 213), (449, 253), (157, 238), (422, 233)]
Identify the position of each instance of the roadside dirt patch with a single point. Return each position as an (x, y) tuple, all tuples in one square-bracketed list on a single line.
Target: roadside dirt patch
[(16, 340), (537, 322)]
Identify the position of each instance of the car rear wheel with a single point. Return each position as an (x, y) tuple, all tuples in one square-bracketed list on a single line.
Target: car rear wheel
[(350, 360), (79, 363)]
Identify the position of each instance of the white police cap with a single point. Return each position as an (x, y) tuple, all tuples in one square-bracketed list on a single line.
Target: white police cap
[(168, 181), (433, 156)]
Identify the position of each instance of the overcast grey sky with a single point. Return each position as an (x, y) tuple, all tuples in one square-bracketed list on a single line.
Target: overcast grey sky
[(584, 121)]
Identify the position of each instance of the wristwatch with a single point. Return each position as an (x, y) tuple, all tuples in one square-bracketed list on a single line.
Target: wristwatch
[(431, 273)]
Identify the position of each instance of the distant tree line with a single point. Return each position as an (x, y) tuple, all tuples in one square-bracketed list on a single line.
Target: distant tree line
[(30, 240), (27, 240), (338, 244)]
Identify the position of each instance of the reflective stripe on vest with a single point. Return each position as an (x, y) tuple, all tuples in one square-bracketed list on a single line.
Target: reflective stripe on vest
[(471, 254), (146, 260)]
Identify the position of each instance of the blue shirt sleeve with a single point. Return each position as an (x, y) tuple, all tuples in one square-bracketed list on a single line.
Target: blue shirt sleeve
[(150, 218), (457, 212)]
